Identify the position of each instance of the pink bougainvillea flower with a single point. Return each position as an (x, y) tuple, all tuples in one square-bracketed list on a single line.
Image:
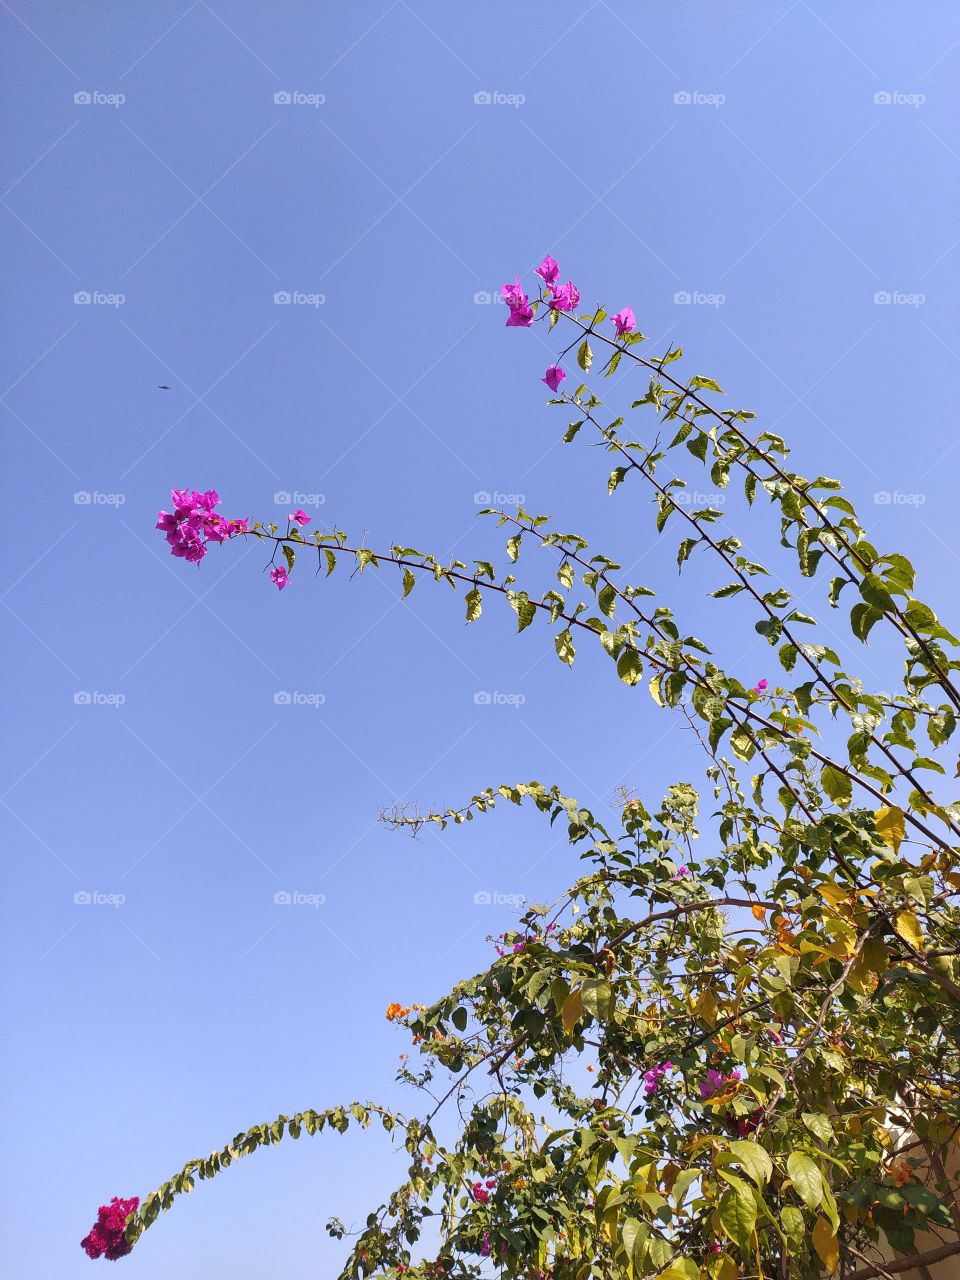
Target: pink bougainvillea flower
[(760, 686), (553, 377), (520, 317), (486, 1247), (652, 1078), (300, 517), (565, 297), (106, 1238), (513, 294), (193, 523), (681, 872), (480, 1193), (279, 576), (625, 321), (548, 271)]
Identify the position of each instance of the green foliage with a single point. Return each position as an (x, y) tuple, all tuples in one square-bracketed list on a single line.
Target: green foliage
[(797, 964)]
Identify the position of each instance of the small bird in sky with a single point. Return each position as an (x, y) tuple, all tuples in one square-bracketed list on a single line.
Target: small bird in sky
[(163, 388)]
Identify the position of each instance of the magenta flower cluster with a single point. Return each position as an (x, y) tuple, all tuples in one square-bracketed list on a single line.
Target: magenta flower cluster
[(559, 297), (106, 1238), (652, 1078), (481, 1193), (193, 523)]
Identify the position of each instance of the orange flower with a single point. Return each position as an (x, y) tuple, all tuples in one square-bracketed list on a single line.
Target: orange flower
[(395, 1011)]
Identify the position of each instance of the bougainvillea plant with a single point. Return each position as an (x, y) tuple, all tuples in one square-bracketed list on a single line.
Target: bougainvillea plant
[(732, 1048)]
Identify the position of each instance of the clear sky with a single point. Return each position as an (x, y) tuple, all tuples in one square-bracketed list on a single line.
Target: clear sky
[(181, 1003)]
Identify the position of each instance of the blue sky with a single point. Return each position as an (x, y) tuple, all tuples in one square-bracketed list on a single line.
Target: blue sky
[(778, 164)]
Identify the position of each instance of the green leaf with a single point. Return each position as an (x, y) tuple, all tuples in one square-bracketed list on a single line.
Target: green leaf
[(819, 1125), (459, 1019), (837, 785), (474, 602), (585, 356), (607, 600), (806, 1178), (753, 1160), (563, 642), (792, 1221), (290, 556), (409, 582), (630, 667), (738, 1214)]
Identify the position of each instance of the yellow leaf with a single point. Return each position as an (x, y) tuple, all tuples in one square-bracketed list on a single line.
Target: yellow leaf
[(724, 1269), (832, 892), (891, 826), (707, 1008), (759, 913), (908, 927), (825, 1243), (572, 1011)]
